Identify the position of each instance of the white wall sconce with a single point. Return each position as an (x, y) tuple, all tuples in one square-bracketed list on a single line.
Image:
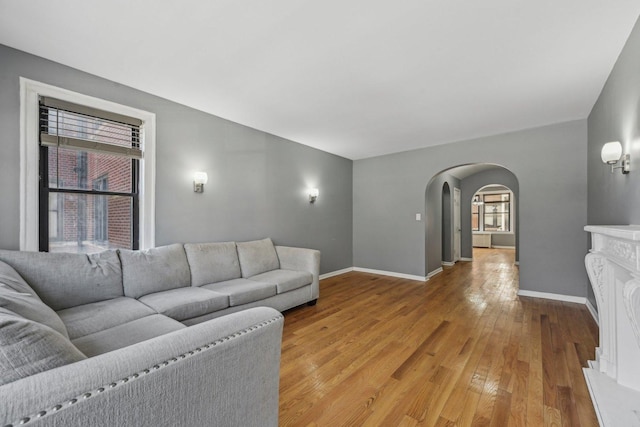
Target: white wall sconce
[(199, 180), (313, 194), (612, 153), (477, 201)]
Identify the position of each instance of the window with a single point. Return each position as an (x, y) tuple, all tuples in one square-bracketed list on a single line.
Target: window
[(475, 216), (101, 212), (98, 169), (492, 212), (496, 212), (89, 162)]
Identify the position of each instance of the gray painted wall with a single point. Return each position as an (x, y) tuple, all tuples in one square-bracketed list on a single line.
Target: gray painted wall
[(469, 186), (506, 239), (550, 165), (257, 181), (614, 198)]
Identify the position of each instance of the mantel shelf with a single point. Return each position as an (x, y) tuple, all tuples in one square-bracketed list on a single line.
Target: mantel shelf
[(626, 232)]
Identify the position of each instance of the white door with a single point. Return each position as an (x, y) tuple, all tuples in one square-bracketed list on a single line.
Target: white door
[(456, 224)]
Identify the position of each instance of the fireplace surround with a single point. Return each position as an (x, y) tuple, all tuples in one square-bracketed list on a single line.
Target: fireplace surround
[(613, 266)]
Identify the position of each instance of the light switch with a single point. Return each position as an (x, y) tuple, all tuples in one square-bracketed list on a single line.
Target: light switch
[(418, 217)]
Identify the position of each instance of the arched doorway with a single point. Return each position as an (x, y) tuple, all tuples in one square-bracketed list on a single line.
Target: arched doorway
[(493, 217), (439, 230)]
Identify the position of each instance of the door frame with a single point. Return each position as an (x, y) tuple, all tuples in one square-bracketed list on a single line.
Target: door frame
[(457, 245)]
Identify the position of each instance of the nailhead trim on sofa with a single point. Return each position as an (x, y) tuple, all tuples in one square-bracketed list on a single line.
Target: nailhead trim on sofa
[(89, 394)]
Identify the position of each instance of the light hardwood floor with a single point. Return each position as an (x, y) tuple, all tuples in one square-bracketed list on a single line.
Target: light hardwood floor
[(461, 349)]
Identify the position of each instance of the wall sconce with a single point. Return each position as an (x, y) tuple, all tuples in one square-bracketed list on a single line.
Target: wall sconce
[(199, 180), (612, 153), (313, 194)]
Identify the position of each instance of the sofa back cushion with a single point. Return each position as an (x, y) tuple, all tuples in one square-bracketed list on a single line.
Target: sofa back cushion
[(30, 347), (10, 278), (212, 262), (258, 256), (18, 297), (30, 307), (154, 270), (64, 280)]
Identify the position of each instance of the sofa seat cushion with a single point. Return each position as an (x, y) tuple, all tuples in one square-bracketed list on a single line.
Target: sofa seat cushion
[(30, 347), (154, 270), (126, 334), (285, 280), (91, 318), (65, 280), (243, 291), (212, 262), (258, 256), (185, 303)]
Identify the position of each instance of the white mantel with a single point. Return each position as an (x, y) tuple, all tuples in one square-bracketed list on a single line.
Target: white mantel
[(613, 265)]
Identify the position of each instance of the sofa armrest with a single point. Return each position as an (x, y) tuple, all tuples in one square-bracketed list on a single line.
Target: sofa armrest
[(302, 259), (221, 372)]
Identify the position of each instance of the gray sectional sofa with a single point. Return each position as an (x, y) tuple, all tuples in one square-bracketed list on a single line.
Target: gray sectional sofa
[(176, 335)]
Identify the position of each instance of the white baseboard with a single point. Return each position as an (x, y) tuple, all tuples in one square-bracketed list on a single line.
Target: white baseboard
[(503, 247), (557, 297), (336, 273), (434, 272), (594, 312), (390, 273), (524, 293), (466, 259), (448, 263)]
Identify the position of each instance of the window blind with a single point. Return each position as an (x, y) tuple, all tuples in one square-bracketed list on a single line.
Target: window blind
[(68, 125)]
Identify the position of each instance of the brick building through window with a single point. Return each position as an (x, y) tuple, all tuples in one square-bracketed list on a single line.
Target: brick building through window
[(90, 162)]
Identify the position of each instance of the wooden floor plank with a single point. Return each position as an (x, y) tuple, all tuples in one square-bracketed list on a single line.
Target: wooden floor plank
[(535, 393), (462, 349)]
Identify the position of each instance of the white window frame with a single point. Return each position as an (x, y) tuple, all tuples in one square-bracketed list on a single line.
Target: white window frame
[(30, 90), (512, 212)]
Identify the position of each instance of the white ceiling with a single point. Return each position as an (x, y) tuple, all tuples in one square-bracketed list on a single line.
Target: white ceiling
[(357, 78)]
